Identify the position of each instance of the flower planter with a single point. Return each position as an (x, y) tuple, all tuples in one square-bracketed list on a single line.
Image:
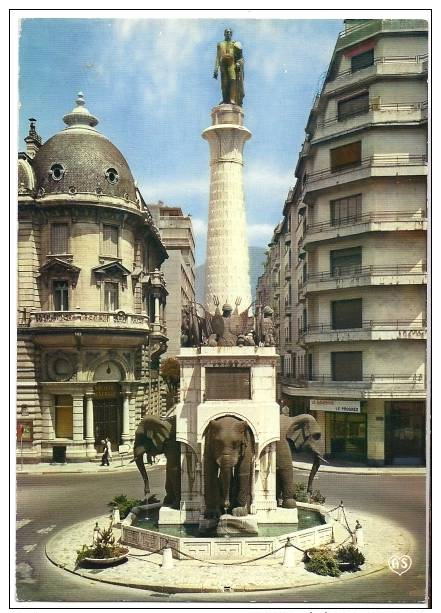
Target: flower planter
[(106, 561)]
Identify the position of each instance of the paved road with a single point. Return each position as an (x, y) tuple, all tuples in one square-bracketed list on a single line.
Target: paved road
[(48, 503)]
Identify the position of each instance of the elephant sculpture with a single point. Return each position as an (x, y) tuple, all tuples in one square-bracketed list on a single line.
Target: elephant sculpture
[(228, 465), (152, 437), (299, 433)]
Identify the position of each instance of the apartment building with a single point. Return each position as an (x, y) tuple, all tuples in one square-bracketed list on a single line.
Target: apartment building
[(176, 232), (358, 214), (91, 297)]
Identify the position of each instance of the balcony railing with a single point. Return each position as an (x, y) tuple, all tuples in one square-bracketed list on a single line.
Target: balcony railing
[(370, 27), (83, 319), (366, 381), (398, 106), (378, 161), (368, 324), (362, 271), (366, 218)]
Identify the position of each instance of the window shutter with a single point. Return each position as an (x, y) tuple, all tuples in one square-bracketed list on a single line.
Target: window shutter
[(60, 238), (110, 240), (346, 156), (353, 106), (346, 314), (347, 366)]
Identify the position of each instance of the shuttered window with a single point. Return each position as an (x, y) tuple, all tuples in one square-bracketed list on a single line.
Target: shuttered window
[(357, 105), (345, 262), (345, 156), (346, 314), (347, 366), (63, 417), (345, 210), (110, 240), (59, 238), (362, 60)]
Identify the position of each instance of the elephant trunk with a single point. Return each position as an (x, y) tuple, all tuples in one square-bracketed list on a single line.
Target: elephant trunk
[(226, 473), (139, 460)]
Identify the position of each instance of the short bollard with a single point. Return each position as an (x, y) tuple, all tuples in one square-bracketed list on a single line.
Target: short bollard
[(116, 518), (358, 535), (167, 558), (289, 553)]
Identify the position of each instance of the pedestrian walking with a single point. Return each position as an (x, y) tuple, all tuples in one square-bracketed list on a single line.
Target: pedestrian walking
[(109, 450), (105, 456)]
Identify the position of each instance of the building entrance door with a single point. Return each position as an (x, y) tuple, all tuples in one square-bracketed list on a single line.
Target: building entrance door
[(405, 433), (348, 436), (107, 414)]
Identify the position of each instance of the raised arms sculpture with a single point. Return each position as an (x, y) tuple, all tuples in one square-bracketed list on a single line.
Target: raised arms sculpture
[(230, 63)]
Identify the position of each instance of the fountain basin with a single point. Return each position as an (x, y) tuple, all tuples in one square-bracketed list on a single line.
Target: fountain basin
[(314, 529)]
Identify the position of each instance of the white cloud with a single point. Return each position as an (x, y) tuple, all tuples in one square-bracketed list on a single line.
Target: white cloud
[(160, 50), (199, 227), (174, 190), (259, 233)]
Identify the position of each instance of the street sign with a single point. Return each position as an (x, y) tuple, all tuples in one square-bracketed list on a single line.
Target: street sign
[(335, 406)]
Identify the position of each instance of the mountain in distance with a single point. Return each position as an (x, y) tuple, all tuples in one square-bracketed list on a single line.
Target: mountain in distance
[(257, 259)]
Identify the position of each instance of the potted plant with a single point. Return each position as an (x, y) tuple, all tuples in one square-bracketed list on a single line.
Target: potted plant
[(104, 551), (322, 561)]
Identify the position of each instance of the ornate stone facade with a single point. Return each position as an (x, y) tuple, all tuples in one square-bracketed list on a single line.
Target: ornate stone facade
[(91, 297)]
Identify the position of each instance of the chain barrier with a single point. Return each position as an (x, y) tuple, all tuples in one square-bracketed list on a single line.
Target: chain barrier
[(286, 544)]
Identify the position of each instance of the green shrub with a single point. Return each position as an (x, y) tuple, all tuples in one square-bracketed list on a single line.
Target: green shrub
[(322, 562), (104, 547), (351, 555), (300, 493), (124, 504), (317, 497)]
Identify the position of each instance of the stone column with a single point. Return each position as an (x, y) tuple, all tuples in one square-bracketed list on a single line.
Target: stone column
[(227, 266), (90, 437), (126, 417), (77, 401)]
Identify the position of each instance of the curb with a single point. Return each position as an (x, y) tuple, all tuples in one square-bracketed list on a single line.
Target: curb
[(347, 470), (171, 586)]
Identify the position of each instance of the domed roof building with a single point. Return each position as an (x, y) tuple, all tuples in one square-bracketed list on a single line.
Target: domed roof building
[(91, 296)]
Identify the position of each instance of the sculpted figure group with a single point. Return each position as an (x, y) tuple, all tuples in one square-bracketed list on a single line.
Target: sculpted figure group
[(228, 460), (226, 329)]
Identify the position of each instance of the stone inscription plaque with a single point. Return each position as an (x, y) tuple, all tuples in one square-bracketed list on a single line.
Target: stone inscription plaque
[(227, 383)]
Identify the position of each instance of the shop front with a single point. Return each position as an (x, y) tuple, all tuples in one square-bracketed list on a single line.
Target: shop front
[(405, 433), (345, 424)]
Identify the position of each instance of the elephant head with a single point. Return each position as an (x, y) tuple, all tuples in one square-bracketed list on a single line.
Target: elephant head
[(154, 436), (303, 434), (227, 462)]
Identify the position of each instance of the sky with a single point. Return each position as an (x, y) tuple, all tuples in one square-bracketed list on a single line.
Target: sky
[(150, 83)]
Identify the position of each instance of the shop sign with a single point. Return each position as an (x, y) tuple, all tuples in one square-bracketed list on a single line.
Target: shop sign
[(336, 406), (106, 391)]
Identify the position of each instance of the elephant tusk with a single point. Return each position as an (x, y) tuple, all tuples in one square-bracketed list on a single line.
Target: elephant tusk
[(233, 471), (218, 472)]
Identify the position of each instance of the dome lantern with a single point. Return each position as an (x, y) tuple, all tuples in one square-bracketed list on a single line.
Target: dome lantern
[(80, 115)]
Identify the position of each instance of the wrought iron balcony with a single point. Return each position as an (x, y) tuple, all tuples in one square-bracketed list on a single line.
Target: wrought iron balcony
[(374, 161), (386, 381), (357, 224), (374, 106), (415, 329), (371, 27)]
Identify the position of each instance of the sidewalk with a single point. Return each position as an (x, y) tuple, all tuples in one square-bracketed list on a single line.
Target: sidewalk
[(116, 465), (362, 470)]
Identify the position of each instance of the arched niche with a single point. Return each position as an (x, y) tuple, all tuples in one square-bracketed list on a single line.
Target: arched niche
[(109, 371)]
